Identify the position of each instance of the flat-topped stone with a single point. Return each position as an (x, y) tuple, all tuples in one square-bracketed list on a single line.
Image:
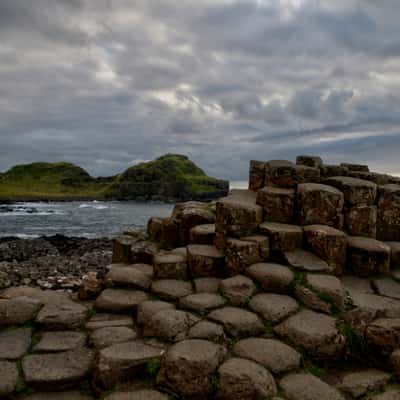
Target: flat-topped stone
[(123, 361), (206, 285), (331, 170), (329, 244), (316, 333), (171, 289), (319, 204), (353, 283), (202, 302), (170, 266), (238, 289), (389, 394), (205, 260), (148, 308), (103, 320), (9, 378), (305, 386), (273, 354), (74, 395), (167, 324), (120, 300), (277, 203), (272, 277), (134, 275), (202, 234), (387, 287), (355, 191), (385, 307), (18, 310), (366, 256), (187, 367), (359, 383), (238, 322), (384, 333), (14, 343), (240, 254), (58, 369), (62, 314), (282, 237), (273, 307), (305, 261), (52, 342), (105, 337), (241, 379), (206, 330), (143, 394)]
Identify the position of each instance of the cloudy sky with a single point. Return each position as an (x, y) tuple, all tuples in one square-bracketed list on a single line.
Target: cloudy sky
[(108, 83)]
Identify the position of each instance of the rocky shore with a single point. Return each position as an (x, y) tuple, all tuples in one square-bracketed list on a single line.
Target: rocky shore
[(52, 262)]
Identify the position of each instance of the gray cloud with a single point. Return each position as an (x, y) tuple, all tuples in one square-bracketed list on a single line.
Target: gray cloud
[(108, 83)]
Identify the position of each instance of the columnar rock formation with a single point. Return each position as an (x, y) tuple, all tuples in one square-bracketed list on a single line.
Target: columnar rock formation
[(288, 290)]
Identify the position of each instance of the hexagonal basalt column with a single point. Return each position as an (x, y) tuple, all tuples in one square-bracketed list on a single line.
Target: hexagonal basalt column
[(277, 203), (388, 225)]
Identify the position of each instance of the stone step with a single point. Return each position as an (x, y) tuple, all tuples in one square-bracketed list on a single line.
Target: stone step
[(120, 300), (168, 265), (137, 276), (303, 260), (282, 237)]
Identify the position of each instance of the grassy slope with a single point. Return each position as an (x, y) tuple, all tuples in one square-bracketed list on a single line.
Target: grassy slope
[(66, 181)]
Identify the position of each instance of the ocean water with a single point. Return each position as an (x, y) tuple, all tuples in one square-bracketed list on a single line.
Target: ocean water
[(86, 219)]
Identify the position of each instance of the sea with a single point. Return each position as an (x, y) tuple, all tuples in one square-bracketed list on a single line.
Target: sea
[(80, 219)]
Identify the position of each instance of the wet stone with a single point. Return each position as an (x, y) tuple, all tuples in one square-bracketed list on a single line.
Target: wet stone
[(120, 300), (14, 343), (187, 368), (9, 378), (148, 308), (282, 237), (122, 361), (238, 289), (171, 289), (272, 277), (237, 322), (108, 336), (58, 369), (202, 302), (273, 354), (52, 342), (241, 379), (273, 307)]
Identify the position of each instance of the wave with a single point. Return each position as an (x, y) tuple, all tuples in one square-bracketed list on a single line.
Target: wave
[(93, 206), (29, 213), (20, 235)]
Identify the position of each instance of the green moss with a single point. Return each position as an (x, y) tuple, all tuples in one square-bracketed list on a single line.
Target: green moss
[(214, 379), (152, 367), (355, 343)]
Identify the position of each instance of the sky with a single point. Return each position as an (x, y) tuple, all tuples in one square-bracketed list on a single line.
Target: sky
[(109, 83)]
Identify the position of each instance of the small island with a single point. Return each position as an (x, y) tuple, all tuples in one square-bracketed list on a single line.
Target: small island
[(172, 177)]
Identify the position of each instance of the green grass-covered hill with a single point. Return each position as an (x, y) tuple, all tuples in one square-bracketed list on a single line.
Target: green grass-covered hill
[(170, 177)]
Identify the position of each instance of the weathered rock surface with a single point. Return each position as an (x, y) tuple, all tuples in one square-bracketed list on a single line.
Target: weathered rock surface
[(105, 337), (361, 220), (305, 261), (202, 302), (171, 289), (241, 379), (52, 342), (238, 289), (387, 287), (282, 237), (277, 203), (136, 275), (388, 226), (240, 254), (272, 277), (202, 234), (9, 377), (170, 266), (18, 310), (103, 320), (14, 343), (206, 330), (120, 300), (206, 285), (271, 353), (144, 394), (187, 367), (205, 260), (384, 333)]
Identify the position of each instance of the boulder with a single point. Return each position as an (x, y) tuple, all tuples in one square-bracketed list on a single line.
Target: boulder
[(206, 285), (361, 220), (305, 386), (134, 275), (355, 191), (273, 308), (314, 332), (205, 260), (329, 244), (273, 354), (120, 300), (207, 330), (148, 308), (122, 361), (202, 234), (241, 379), (18, 310), (256, 174), (170, 266), (319, 204), (282, 237), (187, 368), (277, 203), (240, 254), (171, 289), (388, 225), (202, 302), (238, 289), (237, 322), (272, 277), (366, 256)]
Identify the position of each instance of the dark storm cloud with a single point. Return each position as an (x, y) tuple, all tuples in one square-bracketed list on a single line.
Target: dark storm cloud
[(109, 83)]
